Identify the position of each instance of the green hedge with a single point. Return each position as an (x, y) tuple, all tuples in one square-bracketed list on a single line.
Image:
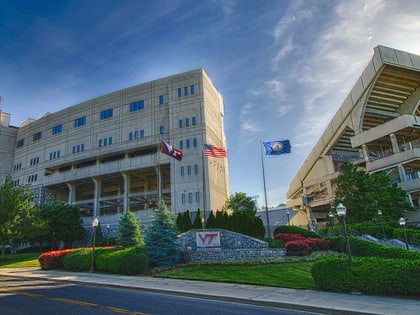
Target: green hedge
[(369, 275), (128, 260), (363, 248), (294, 230), (78, 260), (122, 260)]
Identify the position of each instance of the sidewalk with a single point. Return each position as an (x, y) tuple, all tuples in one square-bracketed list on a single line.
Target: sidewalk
[(307, 300)]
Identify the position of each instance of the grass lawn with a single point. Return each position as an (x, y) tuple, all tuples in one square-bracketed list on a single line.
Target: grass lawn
[(22, 260), (285, 275), (293, 275)]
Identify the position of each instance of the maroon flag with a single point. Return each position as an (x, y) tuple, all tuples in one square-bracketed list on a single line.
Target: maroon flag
[(212, 150), (171, 151)]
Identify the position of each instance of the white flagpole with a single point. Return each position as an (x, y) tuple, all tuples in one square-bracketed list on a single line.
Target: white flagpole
[(204, 189), (265, 192)]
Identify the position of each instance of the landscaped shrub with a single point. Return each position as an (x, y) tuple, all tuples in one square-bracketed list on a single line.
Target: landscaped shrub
[(363, 248), (297, 248), (53, 259), (287, 237), (135, 261), (78, 260), (127, 260), (294, 230), (298, 245), (369, 275)]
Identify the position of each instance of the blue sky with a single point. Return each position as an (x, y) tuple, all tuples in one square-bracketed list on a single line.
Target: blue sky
[(282, 67)]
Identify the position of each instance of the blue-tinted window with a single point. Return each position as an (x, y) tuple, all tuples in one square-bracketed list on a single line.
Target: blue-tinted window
[(197, 197), (58, 153), (100, 142), (194, 121), (161, 100), (105, 142), (180, 123), (162, 129), (181, 144), (188, 143), (57, 129), (78, 148), (195, 142), (80, 121), (190, 198), (136, 134), (130, 136), (187, 122), (179, 92), (136, 106), (189, 170), (182, 171), (183, 198), (110, 140), (106, 113), (74, 149), (142, 133), (186, 91), (83, 147), (192, 89)]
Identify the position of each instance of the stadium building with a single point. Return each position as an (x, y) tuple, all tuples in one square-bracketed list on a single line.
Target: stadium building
[(377, 128)]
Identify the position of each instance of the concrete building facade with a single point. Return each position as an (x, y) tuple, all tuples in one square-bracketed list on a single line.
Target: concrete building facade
[(377, 128), (103, 155)]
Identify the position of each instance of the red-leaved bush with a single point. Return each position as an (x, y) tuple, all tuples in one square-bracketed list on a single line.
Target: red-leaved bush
[(53, 259), (299, 245)]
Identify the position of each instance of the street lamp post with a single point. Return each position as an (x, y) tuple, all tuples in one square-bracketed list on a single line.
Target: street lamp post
[(95, 224), (403, 223), (107, 234), (382, 223), (341, 212), (331, 216), (288, 217)]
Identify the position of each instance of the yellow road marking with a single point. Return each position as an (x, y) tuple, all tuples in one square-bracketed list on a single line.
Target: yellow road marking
[(69, 301)]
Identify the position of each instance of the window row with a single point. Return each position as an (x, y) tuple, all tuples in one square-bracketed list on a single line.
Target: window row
[(189, 170), (32, 178), (190, 197), (54, 155), (188, 122), (136, 135), (185, 90), (188, 143), (105, 141), (34, 161), (17, 167), (79, 148)]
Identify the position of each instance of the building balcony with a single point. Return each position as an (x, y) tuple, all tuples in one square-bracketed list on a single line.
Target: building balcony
[(393, 160)]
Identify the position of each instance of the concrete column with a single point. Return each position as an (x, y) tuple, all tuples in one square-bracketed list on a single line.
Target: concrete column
[(72, 193), (96, 205), (126, 201), (394, 142), (365, 152)]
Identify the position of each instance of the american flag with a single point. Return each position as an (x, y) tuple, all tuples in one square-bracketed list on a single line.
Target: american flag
[(214, 151)]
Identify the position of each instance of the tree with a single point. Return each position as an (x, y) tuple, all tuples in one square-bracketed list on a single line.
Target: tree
[(198, 221), (161, 238), (364, 194), (240, 202), (16, 211), (129, 232), (64, 222), (187, 221)]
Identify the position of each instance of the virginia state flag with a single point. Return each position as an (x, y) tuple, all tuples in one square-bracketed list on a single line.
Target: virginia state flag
[(171, 151), (277, 147)]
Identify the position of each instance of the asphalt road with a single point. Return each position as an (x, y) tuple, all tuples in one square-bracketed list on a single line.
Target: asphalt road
[(24, 296)]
